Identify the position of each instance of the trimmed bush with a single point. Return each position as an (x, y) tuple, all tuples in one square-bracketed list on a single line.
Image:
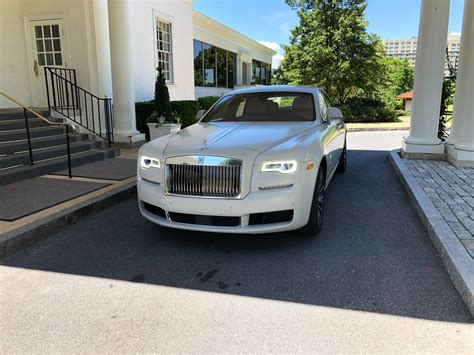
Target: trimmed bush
[(361, 109), (206, 102), (186, 110), (143, 110)]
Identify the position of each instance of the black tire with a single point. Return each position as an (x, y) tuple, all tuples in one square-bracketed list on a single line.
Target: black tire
[(315, 222), (341, 166)]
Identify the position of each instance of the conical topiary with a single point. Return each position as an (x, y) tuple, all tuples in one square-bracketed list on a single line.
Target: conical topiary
[(162, 105)]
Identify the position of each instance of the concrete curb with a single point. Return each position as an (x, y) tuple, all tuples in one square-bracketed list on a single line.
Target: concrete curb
[(369, 129), (17, 239), (457, 261)]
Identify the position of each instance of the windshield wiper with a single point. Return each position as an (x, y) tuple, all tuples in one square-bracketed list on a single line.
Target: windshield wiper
[(216, 120)]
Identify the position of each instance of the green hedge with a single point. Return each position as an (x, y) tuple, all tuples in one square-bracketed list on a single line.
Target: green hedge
[(361, 109), (186, 109), (206, 102)]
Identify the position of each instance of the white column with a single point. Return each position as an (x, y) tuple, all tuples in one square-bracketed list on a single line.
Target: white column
[(101, 24), (123, 84), (430, 55), (460, 148)]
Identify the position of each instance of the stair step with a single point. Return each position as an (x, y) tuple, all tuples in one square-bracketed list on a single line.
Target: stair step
[(42, 142), (16, 114), (11, 136), (59, 163), (12, 161), (11, 125)]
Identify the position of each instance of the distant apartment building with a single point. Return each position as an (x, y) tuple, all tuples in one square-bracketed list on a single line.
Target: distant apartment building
[(406, 49)]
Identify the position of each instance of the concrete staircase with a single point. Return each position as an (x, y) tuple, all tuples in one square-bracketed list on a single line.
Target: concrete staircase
[(49, 147)]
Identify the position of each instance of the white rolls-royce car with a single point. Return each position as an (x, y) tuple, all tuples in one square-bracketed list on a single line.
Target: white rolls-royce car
[(258, 161)]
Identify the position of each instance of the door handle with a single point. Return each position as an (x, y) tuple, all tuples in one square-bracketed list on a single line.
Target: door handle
[(35, 67)]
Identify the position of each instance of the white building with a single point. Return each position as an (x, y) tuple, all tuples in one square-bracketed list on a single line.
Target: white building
[(115, 47), (406, 49)]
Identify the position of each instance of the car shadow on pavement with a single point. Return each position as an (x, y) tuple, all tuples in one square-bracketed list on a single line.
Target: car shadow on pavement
[(373, 254)]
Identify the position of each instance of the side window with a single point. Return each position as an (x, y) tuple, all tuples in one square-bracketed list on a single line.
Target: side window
[(323, 106)]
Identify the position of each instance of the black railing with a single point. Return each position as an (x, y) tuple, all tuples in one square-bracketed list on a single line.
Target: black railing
[(85, 109), (28, 134)]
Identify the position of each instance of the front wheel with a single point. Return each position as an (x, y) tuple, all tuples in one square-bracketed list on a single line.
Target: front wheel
[(315, 222)]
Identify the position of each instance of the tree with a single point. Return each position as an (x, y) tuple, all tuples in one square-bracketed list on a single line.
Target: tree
[(161, 104), (331, 48), (398, 76), (278, 76)]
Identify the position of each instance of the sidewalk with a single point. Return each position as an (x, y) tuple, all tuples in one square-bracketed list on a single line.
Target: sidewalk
[(31, 209), (403, 125), (443, 196)]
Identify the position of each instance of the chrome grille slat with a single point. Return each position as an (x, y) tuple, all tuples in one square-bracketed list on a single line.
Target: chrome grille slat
[(204, 180)]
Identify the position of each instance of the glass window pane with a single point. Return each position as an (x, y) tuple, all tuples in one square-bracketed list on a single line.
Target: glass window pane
[(164, 48), (221, 67), (198, 61), (209, 65), (39, 46), (57, 45), (49, 59), (38, 32), (48, 45), (55, 29), (58, 59), (41, 59), (47, 31)]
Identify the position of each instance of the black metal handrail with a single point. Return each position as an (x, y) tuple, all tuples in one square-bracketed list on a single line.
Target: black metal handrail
[(28, 135), (85, 109)]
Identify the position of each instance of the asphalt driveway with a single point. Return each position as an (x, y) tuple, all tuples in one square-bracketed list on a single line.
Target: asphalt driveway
[(371, 281)]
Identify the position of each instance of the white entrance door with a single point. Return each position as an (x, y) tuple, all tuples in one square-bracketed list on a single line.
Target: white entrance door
[(47, 47)]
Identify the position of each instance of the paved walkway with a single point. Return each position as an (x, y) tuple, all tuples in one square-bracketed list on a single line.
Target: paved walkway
[(451, 190), (371, 282)]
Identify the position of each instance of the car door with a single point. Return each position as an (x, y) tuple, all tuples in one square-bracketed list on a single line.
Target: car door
[(341, 131), (330, 137)]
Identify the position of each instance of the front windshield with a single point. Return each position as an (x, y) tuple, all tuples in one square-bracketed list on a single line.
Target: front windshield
[(263, 106)]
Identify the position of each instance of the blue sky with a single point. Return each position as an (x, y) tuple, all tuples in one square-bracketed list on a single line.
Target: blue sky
[(269, 21)]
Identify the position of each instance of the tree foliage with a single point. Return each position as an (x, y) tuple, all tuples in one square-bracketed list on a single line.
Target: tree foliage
[(162, 105), (331, 48), (397, 78)]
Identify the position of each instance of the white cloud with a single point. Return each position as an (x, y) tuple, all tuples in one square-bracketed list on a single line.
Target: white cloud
[(277, 48)]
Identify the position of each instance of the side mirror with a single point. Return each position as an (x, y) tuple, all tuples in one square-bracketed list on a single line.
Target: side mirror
[(334, 113), (199, 114)]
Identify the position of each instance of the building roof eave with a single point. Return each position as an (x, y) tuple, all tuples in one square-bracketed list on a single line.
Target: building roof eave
[(204, 22)]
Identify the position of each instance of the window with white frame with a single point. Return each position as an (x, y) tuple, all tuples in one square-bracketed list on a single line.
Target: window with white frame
[(164, 48)]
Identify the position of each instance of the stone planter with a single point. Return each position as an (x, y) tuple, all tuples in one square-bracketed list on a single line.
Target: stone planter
[(157, 131)]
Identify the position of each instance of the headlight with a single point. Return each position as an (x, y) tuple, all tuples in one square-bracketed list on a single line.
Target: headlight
[(147, 162), (283, 167)]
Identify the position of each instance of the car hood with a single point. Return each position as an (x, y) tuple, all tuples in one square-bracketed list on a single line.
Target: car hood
[(257, 136)]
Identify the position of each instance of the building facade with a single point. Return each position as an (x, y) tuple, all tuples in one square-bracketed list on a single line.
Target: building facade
[(115, 47), (406, 49)]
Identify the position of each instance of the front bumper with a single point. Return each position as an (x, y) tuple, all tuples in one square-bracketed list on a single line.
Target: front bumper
[(297, 198)]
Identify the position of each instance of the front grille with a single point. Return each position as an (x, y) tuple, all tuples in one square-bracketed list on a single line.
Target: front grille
[(204, 180)]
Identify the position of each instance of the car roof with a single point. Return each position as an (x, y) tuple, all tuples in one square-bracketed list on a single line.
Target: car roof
[(276, 88)]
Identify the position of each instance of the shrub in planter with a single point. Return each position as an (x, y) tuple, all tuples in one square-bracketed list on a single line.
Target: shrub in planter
[(186, 109), (206, 102), (162, 120), (362, 109)]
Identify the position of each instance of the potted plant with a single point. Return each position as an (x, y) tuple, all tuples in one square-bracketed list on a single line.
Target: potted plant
[(163, 120)]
